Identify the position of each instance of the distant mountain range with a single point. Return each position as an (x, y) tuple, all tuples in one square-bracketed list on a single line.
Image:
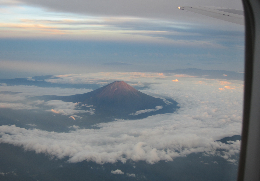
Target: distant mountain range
[(120, 100)]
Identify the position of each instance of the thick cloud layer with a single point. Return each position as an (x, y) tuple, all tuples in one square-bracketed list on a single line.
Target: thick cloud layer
[(209, 110)]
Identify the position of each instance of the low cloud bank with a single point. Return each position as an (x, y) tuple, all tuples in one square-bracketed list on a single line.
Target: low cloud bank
[(108, 145), (206, 114)]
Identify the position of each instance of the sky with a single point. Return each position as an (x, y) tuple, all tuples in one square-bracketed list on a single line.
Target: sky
[(64, 48), (57, 37)]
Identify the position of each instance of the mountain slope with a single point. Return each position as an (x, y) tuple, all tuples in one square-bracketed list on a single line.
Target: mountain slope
[(120, 100)]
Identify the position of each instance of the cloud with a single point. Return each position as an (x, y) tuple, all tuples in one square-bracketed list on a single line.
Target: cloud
[(176, 80), (54, 111), (150, 145), (183, 75), (9, 2), (23, 92), (146, 8), (67, 108), (39, 67), (72, 117), (108, 26), (117, 64), (130, 174), (229, 87), (74, 126), (117, 172), (224, 82), (8, 173), (16, 106), (205, 115), (32, 27), (33, 125), (210, 74), (10, 98), (104, 78), (166, 34), (147, 110)]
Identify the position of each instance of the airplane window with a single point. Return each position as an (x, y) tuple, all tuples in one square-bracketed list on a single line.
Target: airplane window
[(121, 90)]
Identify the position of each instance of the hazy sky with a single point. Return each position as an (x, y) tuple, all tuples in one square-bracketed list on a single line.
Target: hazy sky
[(53, 37)]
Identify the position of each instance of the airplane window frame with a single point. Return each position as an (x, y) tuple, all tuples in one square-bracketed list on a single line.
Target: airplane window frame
[(249, 156)]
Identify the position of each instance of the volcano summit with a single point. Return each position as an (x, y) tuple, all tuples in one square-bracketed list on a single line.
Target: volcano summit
[(120, 100), (119, 96)]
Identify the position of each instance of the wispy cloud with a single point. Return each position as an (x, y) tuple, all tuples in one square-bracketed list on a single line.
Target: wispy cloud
[(9, 2), (21, 23), (105, 77), (41, 28), (183, 75), (17, 106), (117, 172), (148, 8), (67, 108), (130, 174), (147, 110)]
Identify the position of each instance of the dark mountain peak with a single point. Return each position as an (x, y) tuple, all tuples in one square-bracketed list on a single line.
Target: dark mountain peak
[(120, 100), (120, 97), (116, 89)]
